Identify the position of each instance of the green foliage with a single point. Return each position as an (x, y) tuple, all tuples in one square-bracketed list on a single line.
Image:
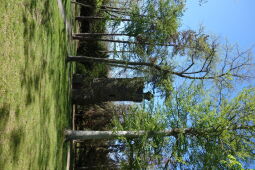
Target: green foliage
[(232, 163), (153, 23), (220, 130), (138, 119), (143, 151), (159, 22), (222, 135), (227, 128), (93, 70), (93, 48), (217, 130)]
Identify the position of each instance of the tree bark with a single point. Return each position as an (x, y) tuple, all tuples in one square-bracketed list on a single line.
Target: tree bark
[(121, 41), (87, 91), (98, 34), (113, 166), (112, 61), (102, 7), (109, 51), (130, 63), (80, 18), (97, 135), (120, 11)]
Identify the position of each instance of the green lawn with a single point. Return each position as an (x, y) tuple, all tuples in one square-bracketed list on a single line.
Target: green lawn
[(34, 85)]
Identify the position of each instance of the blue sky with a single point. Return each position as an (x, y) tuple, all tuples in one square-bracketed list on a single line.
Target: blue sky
[(231, 19)]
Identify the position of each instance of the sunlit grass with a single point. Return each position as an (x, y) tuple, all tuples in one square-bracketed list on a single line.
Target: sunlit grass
[(34, 97)]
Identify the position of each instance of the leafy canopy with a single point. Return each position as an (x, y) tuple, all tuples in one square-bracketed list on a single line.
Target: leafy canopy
[(219, 135)]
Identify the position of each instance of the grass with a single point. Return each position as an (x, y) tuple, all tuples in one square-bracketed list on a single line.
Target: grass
[(34, 85)]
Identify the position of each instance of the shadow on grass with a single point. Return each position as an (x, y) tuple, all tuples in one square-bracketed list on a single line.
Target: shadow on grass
[(32, 8), (15, 140), (49, 73), (3, 159), (63, 104), (4, 115), (56, 46), (44, 154), (33, 34), (29, 76), (17, 112)]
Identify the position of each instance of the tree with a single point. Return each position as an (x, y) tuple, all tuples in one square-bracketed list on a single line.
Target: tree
[(97, 90), (189, 130), (158, 24), (152, 46), (202, 133), (206, 66), (92, 135)]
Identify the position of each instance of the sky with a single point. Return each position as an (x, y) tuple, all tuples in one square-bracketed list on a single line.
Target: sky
[(233, 20)]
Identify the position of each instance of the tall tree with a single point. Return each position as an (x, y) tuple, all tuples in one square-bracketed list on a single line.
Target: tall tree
[(201, 133), (189, 130), (86, 91), (220, 64), (147, 23), (152, 46)]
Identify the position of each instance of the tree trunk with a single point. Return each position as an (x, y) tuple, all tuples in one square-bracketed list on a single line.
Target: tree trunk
[(102, 7), (120, 11), (121, 41), (87, 91), (112, 61), (98, 34), (125, 67), (80, 18), (112, 166), (130, 63), (97, 135), (122, 51)]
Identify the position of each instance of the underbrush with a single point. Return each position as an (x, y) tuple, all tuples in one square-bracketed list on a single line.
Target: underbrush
[(92, 48), (93, 154)]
